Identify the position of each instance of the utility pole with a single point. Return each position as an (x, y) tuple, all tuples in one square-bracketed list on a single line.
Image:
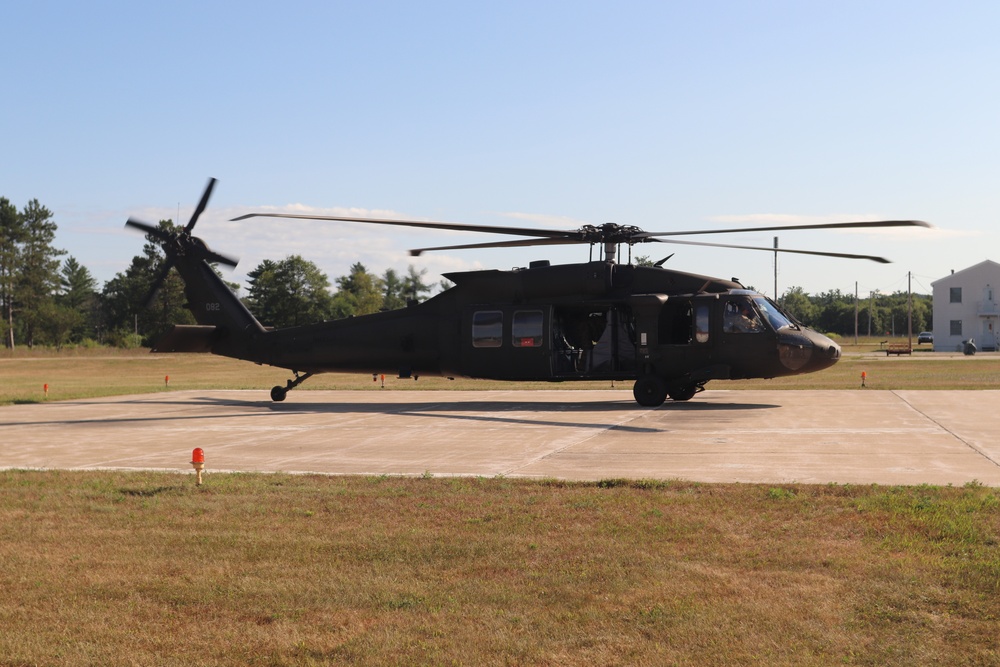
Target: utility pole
[(856, 312), (871, 304), (776, 269), (909, 309)]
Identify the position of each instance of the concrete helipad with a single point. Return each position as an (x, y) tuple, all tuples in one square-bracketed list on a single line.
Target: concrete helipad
[(858, 437)]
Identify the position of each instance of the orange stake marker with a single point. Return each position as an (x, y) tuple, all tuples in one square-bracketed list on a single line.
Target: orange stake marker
[(864, 376), (198, 461)]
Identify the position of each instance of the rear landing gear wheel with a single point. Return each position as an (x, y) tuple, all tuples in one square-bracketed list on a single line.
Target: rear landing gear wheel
[(685, 393), (650, 391), (278, 393)]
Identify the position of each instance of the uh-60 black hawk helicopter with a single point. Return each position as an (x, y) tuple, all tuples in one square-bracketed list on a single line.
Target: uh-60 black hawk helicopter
[(670, 332)]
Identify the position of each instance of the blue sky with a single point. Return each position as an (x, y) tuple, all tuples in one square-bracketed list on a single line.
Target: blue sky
[(663, 115)]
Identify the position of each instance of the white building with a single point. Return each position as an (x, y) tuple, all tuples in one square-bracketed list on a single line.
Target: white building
[(965, 307)]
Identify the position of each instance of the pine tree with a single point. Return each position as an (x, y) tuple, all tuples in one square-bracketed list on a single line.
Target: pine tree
[(11, 237), (393, 291), (360, 292), (78, 293), (289, 293)]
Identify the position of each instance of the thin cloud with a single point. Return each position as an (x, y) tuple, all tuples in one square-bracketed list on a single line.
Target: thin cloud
[(545, 220)]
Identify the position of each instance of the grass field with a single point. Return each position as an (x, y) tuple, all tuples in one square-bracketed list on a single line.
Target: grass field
[(147, 569), (93, 373)]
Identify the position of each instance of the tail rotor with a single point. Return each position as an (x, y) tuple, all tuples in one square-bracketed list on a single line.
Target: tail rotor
[(180, 242)]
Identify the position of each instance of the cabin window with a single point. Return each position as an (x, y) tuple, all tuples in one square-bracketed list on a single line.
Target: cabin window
[(487, 328), (675, 322), (701, 320), (526, 328)]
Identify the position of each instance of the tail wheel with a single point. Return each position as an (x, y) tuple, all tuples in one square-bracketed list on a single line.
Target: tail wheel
[(650, 391)]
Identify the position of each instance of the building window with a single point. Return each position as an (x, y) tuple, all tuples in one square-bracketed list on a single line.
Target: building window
[(955, 295), (526, 328), (487, 328), (956, 327)]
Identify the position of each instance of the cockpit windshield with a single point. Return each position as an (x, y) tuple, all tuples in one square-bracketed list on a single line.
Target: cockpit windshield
[(774, 316)]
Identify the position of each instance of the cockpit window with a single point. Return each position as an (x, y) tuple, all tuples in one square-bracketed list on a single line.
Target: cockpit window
[(741, 317), (774, 316)]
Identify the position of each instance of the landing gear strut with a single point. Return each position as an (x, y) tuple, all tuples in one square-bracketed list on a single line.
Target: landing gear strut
[(278, 393)]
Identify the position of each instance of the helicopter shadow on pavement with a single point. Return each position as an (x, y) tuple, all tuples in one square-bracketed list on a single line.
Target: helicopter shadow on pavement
[(492, 411), (502, 405), (485, 411)]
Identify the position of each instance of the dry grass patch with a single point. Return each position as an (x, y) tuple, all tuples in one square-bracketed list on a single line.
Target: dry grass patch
[(75, 374), (117, 568)]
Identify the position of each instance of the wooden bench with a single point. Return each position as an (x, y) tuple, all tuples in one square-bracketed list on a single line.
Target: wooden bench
[(898, 348)]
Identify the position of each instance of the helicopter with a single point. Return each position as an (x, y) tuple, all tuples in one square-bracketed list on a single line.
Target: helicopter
[(668, 332)]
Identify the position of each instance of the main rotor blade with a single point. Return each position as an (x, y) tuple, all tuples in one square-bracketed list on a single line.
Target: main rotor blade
[(777, 228), (880, 260), (454, 226), (416, 252), (201, 205)]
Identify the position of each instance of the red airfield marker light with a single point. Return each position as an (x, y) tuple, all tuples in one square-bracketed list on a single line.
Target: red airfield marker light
[(45, 387), (864, 376), (198, 462), (166, 381)]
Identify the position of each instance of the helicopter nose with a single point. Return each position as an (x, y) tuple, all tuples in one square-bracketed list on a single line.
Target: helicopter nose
[(825, 353), (806, 351)]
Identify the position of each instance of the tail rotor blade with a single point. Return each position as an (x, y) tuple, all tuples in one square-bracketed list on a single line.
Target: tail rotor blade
[(201, 205), (158, 283), (147, 228), (218, 258)]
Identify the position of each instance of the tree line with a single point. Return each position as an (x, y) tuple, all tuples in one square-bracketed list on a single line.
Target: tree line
[(876, 314), (48, 298)]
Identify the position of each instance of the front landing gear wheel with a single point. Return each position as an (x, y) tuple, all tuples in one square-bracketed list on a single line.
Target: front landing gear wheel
[(650, 391), (278, 393)]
